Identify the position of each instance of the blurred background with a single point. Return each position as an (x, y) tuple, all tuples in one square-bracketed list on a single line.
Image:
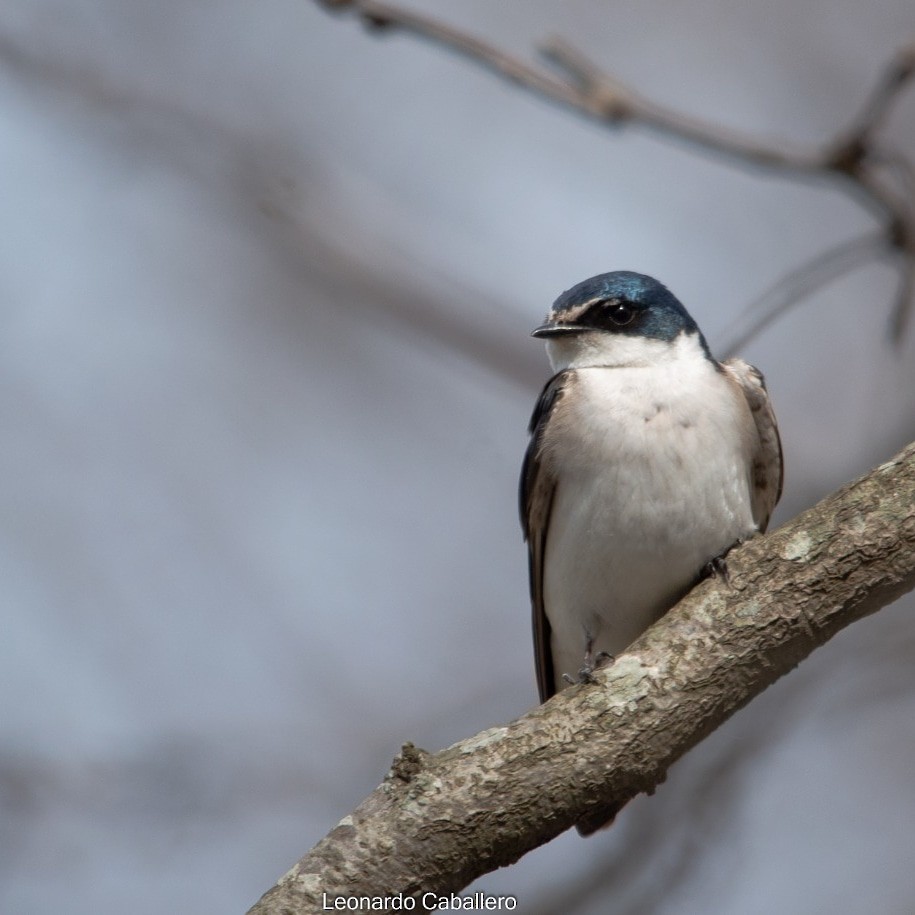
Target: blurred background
[(267, 281)]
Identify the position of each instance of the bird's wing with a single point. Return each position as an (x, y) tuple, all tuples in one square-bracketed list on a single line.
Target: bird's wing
[(768, 464), (536, 493)]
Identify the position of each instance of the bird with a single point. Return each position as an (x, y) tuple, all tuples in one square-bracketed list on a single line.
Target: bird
[(648, 461)]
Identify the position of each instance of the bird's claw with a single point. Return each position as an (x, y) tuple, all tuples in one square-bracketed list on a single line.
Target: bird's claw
[(717, 566), (586, 672)]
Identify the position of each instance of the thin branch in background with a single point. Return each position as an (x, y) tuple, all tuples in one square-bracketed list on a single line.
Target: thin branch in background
[(905, 293), (892, 81), (800, 283), (383, 16), (619, 103), (851, 161), (902, 172)]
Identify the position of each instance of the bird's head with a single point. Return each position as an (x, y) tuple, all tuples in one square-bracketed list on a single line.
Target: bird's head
[(616, 319)]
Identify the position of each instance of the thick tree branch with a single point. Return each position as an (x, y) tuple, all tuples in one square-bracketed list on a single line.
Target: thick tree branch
[(852, 160), (439, 821)]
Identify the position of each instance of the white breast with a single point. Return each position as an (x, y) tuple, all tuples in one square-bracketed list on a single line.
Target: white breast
[(652, 462)]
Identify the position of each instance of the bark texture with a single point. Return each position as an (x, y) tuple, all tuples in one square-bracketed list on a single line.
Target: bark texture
[(438, 822)]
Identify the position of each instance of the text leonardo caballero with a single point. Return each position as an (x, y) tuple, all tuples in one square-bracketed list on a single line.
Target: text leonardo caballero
[(427, 902)]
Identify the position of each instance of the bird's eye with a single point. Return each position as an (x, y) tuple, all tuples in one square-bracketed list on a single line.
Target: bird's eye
[(621, 313)]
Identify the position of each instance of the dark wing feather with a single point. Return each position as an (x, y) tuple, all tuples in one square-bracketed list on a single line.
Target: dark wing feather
[(768, 462), (536, 493)]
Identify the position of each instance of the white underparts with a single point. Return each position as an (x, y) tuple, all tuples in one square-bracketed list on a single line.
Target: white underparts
[(652, 456)]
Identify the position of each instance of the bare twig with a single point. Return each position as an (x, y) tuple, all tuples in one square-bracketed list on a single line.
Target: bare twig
[(851, 158), (892, 81), (386, 16), (799, 283), (439, 821), (905, 293), (618, 102)]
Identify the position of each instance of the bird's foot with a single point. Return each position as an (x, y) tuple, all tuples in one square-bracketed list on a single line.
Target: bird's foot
[(717, 566), (592, 663)]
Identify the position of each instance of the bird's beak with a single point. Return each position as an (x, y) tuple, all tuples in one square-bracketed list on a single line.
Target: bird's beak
[(556, 330)]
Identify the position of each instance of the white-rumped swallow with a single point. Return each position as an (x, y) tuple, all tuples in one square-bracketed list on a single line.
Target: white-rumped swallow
[(648, 461)]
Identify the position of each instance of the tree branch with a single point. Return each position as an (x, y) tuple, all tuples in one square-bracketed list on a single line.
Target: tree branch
[(852, 159), (439, 821)]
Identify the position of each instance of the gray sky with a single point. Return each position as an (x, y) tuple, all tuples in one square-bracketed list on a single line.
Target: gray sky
[(267, 281)]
